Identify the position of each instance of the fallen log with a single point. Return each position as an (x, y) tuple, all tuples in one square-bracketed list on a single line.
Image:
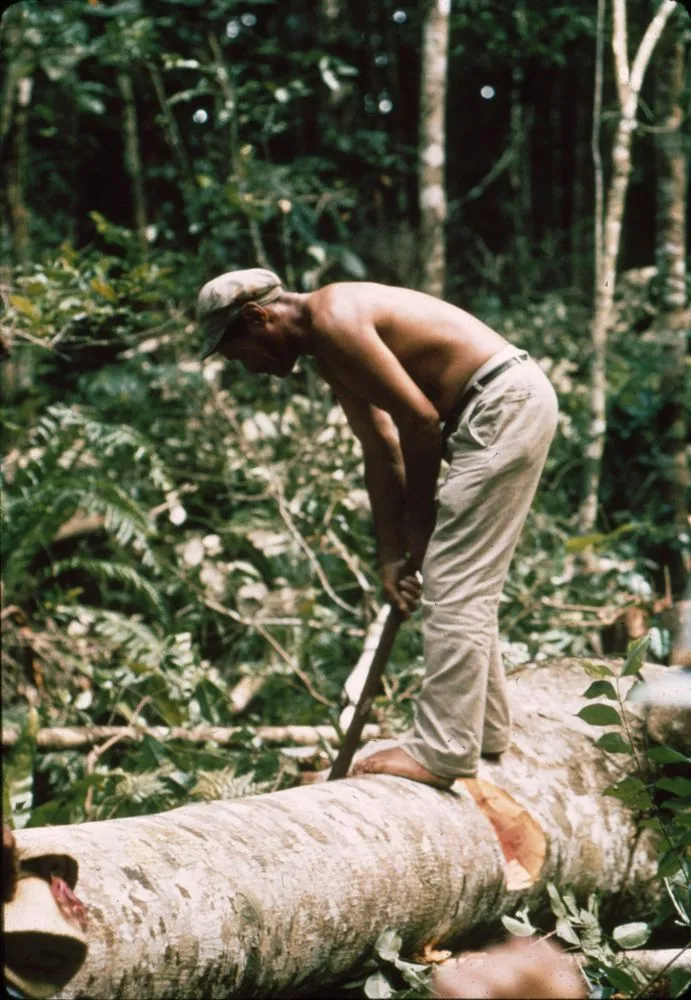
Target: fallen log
[(58, 738), (274, 894)]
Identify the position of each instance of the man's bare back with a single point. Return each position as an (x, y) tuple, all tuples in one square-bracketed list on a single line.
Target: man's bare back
[(437, 344)]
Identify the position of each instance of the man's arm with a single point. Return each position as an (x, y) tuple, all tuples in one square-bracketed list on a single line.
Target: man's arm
[(369, 371), (384, 471), (385, 480)]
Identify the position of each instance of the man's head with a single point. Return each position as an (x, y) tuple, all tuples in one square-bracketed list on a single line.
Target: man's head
[(221, 300), (243, 319)]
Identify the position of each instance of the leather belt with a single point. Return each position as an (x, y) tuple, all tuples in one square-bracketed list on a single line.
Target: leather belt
[(478, 384)]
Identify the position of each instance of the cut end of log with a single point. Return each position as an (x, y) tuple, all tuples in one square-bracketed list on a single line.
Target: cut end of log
[(522, 840)]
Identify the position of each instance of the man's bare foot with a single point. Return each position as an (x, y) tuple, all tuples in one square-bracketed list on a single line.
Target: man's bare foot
[(396, 761)]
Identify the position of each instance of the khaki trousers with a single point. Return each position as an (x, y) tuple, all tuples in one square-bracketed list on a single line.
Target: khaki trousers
[(496, 456)]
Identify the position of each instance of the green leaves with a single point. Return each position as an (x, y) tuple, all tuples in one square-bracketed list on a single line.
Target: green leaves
[(613, 743), (599, 715), (667, 755), (517, 927), (378, 987), (600, 689), (18, 773), (632, 792), (595, 669), (631, 935), (388, 947), (635, 656)]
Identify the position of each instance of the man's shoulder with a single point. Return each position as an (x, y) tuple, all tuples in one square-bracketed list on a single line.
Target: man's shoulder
[(346, 302)]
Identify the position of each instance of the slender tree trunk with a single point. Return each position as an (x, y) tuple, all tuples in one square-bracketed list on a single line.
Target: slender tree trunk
[(519, 167), (264, 896), (238, 166), (432, 144), (556, 117), (171, 130), (578, 199), (133, 160), (17, 172), (629, 82), (673, 323)]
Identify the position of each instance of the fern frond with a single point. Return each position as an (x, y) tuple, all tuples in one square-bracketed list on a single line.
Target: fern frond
[(106, 439), (109, 572), (124, 632), (225, 784), (143, 787)]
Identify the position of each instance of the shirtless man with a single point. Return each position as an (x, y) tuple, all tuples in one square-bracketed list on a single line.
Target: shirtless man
[(418, 379)]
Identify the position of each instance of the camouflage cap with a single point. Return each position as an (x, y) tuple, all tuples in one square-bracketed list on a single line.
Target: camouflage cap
[(221, 300)]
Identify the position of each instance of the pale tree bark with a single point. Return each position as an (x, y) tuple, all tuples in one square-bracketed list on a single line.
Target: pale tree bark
[(17, 172), (578, 196), (267, 895), (172, 132), (519, 171), (432, 146), (133, 160), (629, 81), (238, 164), (673, 322)]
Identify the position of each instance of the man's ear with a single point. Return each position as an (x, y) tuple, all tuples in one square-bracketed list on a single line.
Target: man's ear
[(254, 315)]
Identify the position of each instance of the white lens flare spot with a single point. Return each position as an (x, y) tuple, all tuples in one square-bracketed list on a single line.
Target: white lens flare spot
[(233, 28), (400, 16), (487, 92), (200, 116), (385, 105), (249, 20)]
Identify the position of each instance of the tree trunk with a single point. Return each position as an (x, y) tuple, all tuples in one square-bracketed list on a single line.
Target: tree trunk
[(578, 227), (17, 171), (519, 169), (275, 893), (629, 82), (432, 157), (172, 132), (238, 163), (672, 325), (133, 160)]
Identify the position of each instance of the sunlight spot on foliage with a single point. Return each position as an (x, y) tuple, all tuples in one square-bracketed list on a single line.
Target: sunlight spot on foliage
[(271, 543), (212, 544), (193, 552), (213, 578), (178, 514)]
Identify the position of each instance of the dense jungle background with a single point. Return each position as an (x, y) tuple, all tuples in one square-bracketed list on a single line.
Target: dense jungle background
[(185, 545)]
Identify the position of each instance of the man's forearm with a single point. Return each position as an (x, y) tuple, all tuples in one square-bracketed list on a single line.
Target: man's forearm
[(385, 481)]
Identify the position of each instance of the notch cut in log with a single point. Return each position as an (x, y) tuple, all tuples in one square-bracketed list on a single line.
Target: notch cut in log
[(275, 894)]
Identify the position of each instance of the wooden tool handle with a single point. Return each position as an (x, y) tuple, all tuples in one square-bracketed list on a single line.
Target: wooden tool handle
[(345, 755)]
